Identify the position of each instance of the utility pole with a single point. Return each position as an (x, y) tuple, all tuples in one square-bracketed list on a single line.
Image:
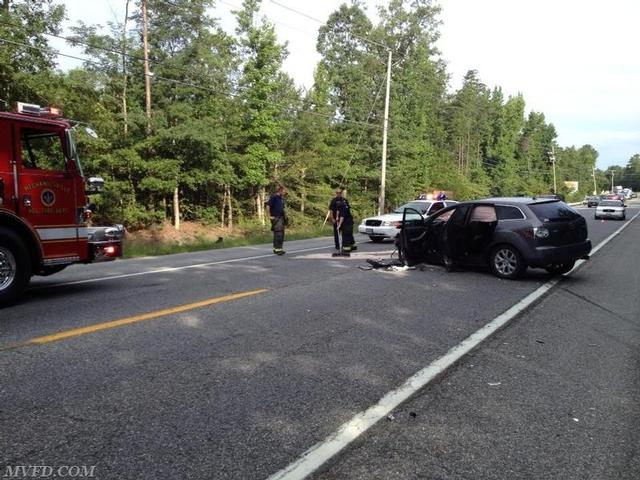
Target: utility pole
[(124, 70), (595, 188), (552, 158), (385, 126), (147, 72), (612, 173)]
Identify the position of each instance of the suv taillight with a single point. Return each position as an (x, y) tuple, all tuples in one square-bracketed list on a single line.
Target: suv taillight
[(541, 232)]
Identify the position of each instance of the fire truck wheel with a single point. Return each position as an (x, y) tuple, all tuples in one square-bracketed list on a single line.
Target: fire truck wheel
[(15, 266)]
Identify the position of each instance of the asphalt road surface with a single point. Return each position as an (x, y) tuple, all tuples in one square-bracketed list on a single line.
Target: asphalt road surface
[(230, 364)]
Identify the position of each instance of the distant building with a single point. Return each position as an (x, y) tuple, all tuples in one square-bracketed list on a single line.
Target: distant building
[(571, 186)]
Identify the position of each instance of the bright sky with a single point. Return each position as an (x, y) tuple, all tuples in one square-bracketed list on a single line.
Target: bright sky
[(574, 60)]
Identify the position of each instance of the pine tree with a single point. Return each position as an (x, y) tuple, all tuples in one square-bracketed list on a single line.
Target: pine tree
[(260, 83)]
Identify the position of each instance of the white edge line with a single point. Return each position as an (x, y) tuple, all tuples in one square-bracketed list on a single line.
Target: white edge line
[(604, 242), (317, 455), (320, 453), (173, 269), (614, 234)]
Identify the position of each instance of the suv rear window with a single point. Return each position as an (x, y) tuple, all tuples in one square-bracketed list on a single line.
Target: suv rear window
[(554, 212)]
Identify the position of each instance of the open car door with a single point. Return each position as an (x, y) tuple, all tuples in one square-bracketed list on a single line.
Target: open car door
[(469, 234), (413, 237), (454, 234), (436, 233), (481, 225)]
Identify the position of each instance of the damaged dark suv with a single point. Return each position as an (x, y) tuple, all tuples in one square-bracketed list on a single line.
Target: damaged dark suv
[(506, 234)]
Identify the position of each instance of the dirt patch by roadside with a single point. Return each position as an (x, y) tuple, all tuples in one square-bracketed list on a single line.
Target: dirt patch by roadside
[(188, 233)]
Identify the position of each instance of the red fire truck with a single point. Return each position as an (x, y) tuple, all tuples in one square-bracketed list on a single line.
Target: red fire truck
[(43, 201)]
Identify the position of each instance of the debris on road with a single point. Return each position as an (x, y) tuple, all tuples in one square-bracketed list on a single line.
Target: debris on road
[(388, 265)]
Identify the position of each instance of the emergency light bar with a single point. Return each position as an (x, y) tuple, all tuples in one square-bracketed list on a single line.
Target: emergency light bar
[(37, 110)]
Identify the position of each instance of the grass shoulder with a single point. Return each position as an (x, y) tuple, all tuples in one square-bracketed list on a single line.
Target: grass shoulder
[(192, 237)]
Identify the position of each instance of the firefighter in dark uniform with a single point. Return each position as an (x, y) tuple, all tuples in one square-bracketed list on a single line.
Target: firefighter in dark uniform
[(276, 211), (345, 227), (333, 214)]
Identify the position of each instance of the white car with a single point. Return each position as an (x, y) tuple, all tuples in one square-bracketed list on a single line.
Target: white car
[(610, 209), (387, 226)]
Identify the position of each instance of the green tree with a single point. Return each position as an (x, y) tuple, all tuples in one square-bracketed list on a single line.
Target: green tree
[(577, 165), (25, 54), (536, 143), (417, 149), (631, 175), (355, 66), (311, 171), (193, 66), (507, 125), (261, 82)]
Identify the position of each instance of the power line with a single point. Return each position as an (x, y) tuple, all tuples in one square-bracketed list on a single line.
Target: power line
[(366, 40), (229, 4), (48, 50), (184, 83), (277, 22), (113, 12), (80, 42), (190, 84), (104, 49), (344, 175), (298, 12), (310, 112)]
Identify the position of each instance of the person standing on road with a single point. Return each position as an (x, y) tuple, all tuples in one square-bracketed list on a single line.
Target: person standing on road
[(333, 214), (345, 227), (276, 211)]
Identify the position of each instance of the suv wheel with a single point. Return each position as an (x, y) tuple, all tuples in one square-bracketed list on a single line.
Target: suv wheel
[(15, 266), (506, 262), (559, 268)]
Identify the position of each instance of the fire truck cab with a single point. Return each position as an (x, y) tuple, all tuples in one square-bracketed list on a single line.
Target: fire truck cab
[(43, 201)]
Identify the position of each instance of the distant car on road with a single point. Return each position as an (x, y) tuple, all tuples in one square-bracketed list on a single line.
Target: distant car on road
[(591, 201), (506, 234), (612, 196), (551, 196), (388, 225), (610, 209)]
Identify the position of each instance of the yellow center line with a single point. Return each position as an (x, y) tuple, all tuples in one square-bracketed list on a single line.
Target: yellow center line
[(136, 318)]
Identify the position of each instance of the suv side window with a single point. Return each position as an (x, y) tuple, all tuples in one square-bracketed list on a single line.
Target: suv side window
[(483, 214), (505, 212)]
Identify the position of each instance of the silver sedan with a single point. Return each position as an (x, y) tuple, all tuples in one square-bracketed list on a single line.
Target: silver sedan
[(611, 209)]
